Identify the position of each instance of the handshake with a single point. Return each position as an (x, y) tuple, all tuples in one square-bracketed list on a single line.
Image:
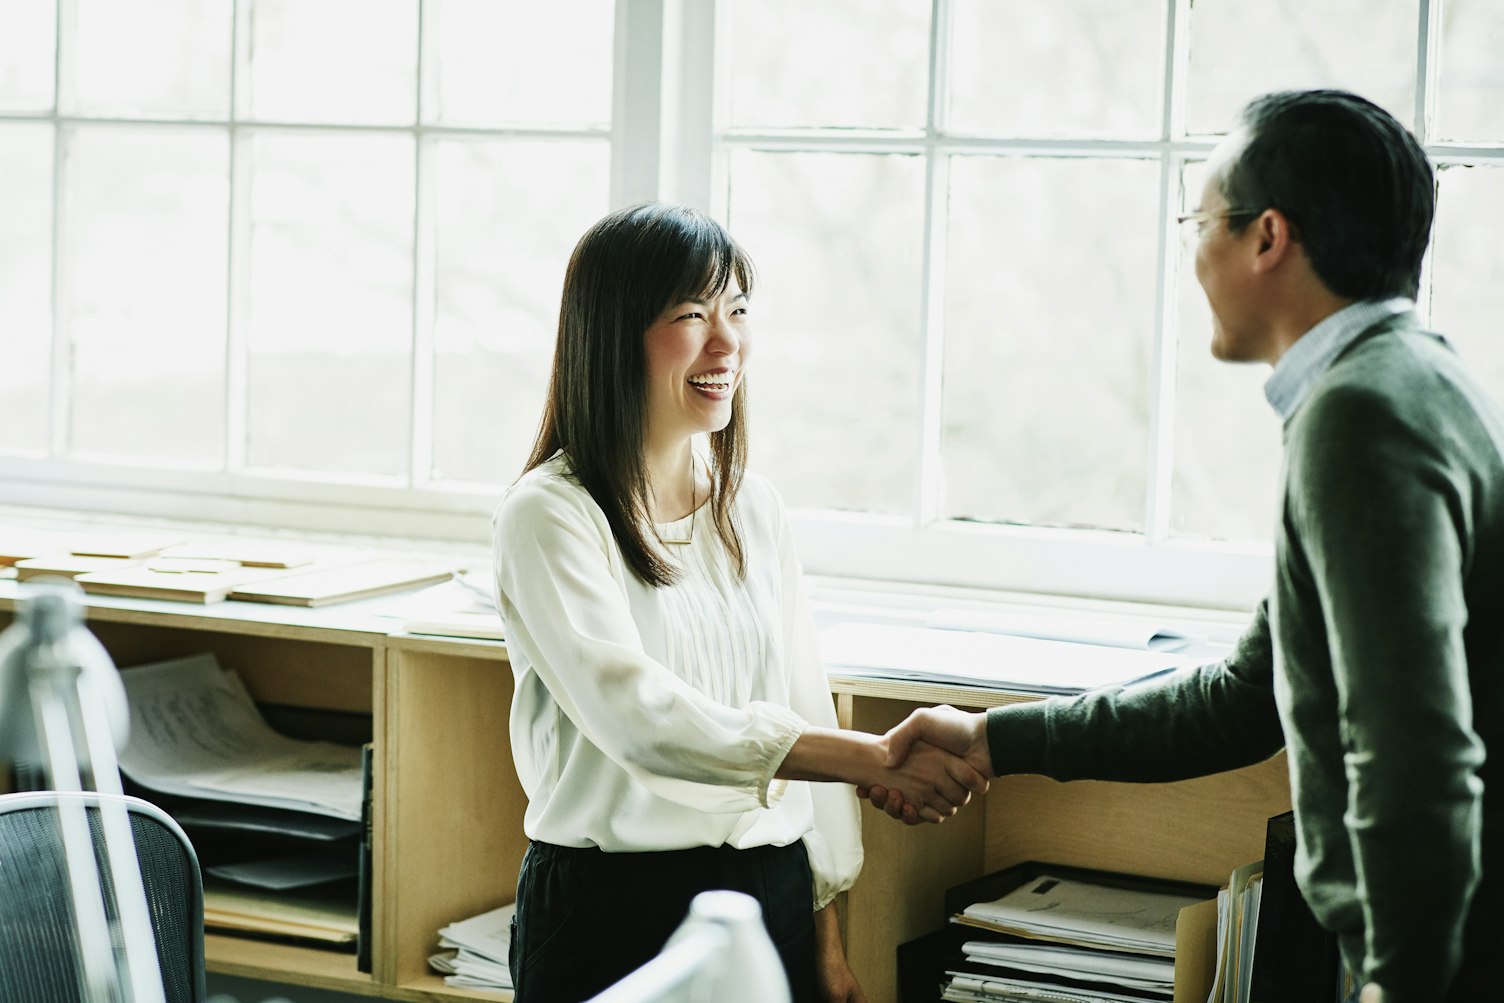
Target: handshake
[(936, 759)]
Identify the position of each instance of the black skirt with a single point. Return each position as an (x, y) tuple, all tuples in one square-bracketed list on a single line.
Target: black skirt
[(587, 918)]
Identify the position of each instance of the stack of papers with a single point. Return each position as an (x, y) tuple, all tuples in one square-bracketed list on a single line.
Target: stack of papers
[(463, 607), (276, 821), (195, 732), (1069, 941), (985, 658), (477, 950)]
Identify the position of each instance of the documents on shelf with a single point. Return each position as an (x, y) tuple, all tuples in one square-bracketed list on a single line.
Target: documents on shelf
[(252, 553), (143, 582), (277, 822), (1058, 935), (195, 732), (362, 580), (296, 870), (1112, 630), (1135, 971), (325, 914), (67, 566), (985, 659), (1237, 924), (482, 944), (1083, 914)]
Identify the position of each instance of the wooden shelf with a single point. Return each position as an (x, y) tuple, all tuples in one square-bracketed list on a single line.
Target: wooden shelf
[(447, 827), (287, 964)]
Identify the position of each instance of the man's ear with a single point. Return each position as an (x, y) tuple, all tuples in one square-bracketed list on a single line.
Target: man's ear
[(1275, 240)]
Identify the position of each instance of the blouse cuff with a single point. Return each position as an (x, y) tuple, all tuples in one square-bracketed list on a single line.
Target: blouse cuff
[(770, 789)]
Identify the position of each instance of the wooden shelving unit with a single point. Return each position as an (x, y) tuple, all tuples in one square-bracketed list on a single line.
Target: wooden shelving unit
[(448, 809)]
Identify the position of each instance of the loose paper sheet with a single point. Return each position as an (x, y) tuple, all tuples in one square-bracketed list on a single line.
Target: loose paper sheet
[(195, 731)]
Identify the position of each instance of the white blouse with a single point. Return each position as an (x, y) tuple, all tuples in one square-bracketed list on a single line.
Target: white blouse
[(654, 718)]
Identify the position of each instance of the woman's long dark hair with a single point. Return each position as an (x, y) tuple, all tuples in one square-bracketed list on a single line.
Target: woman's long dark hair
[(625, 271)]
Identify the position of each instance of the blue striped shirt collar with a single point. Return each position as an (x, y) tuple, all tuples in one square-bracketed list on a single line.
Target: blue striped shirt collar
[(1306, 361)]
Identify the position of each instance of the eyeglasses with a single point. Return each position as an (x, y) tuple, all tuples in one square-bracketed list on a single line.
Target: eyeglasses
[(1191, 237), (1203, 216)]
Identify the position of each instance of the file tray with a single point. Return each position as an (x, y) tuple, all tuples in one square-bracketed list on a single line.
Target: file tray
[(923, 961), (999, 883)]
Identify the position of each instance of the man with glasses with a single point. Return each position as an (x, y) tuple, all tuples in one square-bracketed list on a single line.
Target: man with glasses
[(1378, 658)]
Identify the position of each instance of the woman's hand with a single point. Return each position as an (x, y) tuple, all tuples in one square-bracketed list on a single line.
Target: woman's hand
[(929, 782), (837, 983), (932, 781)]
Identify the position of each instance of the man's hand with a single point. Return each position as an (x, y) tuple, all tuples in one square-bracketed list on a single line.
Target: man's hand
[(957, 732), (930, 784)]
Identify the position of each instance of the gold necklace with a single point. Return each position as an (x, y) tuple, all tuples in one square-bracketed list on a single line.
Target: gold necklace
[(693, 511)]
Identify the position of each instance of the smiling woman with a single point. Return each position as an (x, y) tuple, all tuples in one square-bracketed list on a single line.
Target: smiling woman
[(670, 710)]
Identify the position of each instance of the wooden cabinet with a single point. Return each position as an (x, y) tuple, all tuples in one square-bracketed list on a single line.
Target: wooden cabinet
[(448, 840)]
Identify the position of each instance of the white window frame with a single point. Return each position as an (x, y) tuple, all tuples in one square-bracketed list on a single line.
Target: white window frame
[(1152, 566), (667, 142)]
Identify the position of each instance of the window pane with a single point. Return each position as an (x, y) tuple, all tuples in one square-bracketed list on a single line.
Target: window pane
[(25, 283), (493, 62), (1225, 479), (164, 58), (145, 221), (333, 61), (330, 335), (1242, 50), (856, 63), (1467, 265), (835, 320), (1046, 380), (1069, 67), (508, 215), (1470, 91), (27, 47)]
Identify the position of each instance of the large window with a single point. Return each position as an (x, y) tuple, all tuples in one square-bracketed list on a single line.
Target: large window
[(979, 337), (299, 260), (304, 249)]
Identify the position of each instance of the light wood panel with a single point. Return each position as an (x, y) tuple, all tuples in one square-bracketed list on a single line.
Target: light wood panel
[(1194, 830), (304, 672), (450, 820), (900, 894), (300, 966)]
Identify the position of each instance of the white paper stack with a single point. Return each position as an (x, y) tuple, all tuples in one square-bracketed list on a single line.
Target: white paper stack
[(980, 658), (1070, 942), (481, 945), (196, 732)]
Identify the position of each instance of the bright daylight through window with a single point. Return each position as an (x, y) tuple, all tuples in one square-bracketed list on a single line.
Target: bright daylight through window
[(250, 257)]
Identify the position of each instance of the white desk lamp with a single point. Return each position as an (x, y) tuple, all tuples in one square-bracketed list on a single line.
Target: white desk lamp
[(62, 706)]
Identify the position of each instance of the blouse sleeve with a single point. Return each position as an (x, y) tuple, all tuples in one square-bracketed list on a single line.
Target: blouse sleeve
[(566, 614), (834, 845)]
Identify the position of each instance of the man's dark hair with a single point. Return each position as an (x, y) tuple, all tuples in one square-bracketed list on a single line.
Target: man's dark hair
[(1354, 183)]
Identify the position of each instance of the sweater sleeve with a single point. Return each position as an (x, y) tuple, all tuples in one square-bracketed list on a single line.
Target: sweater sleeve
[(1187, 724), (1380, 516), (568, 617), (834, 844)]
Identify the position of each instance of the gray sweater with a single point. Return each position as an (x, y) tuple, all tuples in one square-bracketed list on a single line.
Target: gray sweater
[(1378, 661)]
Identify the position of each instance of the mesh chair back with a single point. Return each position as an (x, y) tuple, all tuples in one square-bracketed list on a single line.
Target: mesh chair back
[(39, 960)]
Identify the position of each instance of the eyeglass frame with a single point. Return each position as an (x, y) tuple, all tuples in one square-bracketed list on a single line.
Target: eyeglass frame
[(1207, 215)]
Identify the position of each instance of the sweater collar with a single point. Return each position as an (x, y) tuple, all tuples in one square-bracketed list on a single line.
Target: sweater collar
[(1305, 362)]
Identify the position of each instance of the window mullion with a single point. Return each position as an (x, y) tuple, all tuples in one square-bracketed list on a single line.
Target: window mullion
[(637, 101), (930, 475), (1163, 355), (238, 256), (1427, 73), (61, 370), (421, 425)]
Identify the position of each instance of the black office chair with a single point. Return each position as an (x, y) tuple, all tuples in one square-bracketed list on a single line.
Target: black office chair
[(39, 959)]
